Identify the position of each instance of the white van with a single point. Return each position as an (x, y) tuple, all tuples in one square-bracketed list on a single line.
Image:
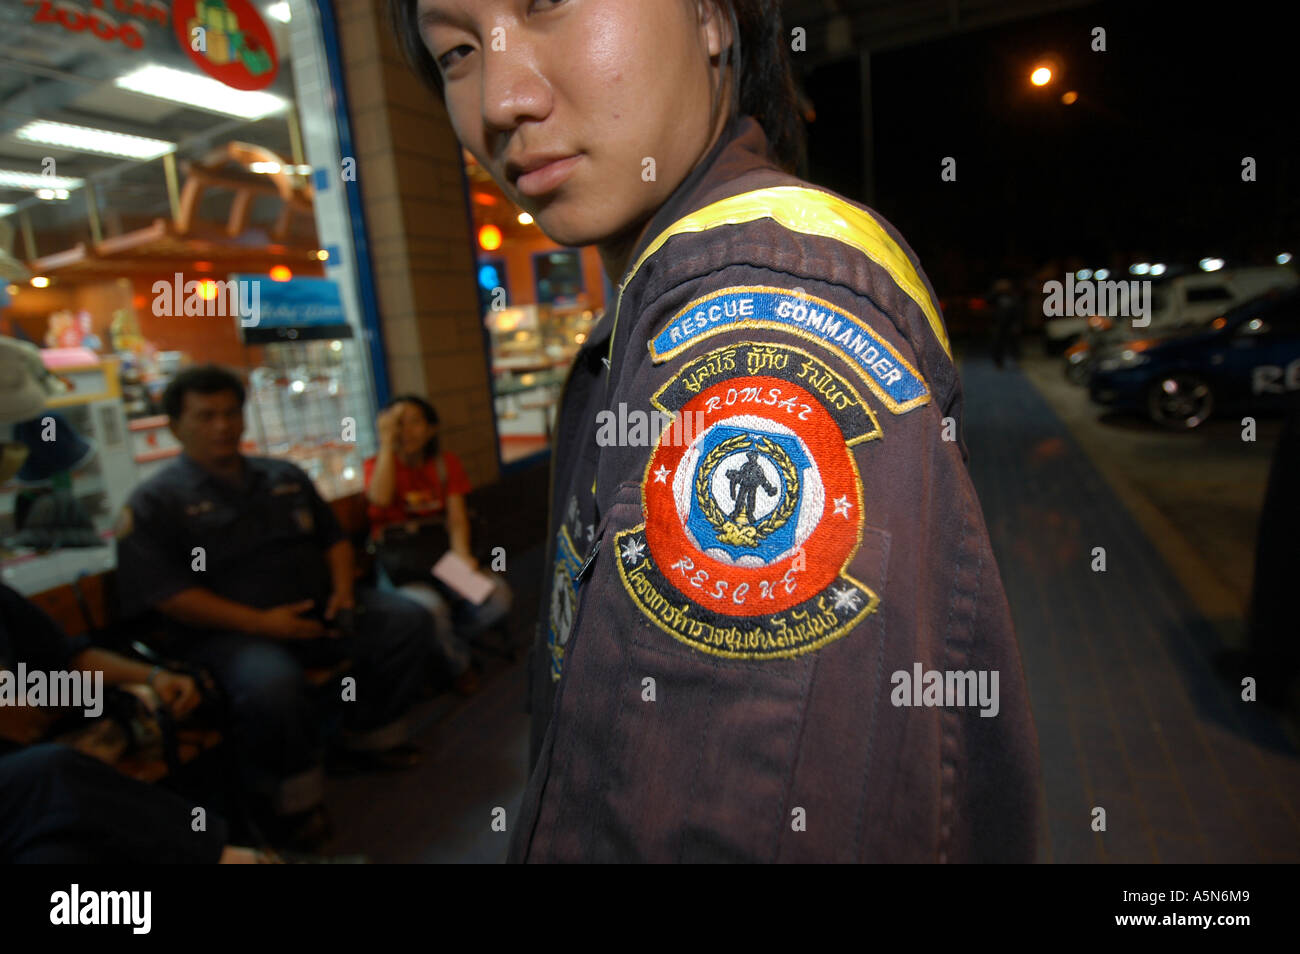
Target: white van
[(1191, 300)]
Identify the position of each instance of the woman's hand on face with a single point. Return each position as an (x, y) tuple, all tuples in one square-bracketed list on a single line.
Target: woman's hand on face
[(387, 425)]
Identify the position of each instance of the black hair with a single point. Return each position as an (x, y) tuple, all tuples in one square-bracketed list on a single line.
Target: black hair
[(758, 55), (430, 416), (203, 379)]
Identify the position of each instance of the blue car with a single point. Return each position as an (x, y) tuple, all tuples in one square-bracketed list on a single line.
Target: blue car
[(1248, 359)]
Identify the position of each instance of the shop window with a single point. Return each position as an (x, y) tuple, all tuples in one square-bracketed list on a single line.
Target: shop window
[(539, 303), (156, 179), (491, 276), (558, 276)]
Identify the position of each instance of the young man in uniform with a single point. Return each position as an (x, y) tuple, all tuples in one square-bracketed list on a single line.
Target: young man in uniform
[(775, 628), (249, 567)]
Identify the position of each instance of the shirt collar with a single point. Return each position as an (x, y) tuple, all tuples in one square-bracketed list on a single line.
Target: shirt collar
[(197, 476), (741, 147)]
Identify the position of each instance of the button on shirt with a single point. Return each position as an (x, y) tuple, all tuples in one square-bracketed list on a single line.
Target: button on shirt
[(260, 542)]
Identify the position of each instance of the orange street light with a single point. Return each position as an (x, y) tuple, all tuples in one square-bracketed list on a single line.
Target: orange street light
[(1041, 76)]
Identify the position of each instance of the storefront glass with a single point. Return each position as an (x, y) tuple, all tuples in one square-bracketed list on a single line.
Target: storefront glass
[(172, 192), (539, 303)]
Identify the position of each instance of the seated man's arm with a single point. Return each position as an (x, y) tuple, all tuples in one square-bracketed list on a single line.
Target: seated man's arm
[(196, 606), (155, 571), (343, 573), (339, 555), (199, 607), (177, 690)]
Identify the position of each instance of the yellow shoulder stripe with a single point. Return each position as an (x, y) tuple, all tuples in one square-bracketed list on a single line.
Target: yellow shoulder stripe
[(811, 212)]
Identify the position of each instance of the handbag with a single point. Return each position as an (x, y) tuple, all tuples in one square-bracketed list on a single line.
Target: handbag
[(407, 551)]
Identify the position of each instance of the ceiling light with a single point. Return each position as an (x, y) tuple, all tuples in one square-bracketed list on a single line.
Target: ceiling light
[(278, 11), (13, 179), (200, 92), (40, 281), (88, 139)]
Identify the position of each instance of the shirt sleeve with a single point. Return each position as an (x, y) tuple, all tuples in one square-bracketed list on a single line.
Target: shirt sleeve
[(152, 562), (457, 479), (797, 547), (327, 529), (383, 516)]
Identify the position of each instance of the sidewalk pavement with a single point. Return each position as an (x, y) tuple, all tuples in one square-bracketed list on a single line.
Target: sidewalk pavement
[(1130, 715)]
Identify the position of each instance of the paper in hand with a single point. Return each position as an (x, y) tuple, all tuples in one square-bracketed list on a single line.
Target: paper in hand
[(463, 578)]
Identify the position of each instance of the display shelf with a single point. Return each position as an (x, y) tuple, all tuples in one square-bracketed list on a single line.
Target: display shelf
[(29, 572), (300, 401), (101, 484)]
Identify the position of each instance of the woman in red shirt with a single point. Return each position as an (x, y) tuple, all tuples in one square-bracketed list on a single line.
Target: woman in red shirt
[(411, 483)]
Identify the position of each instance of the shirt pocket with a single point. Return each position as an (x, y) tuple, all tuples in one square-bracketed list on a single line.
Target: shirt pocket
[(214, 526)]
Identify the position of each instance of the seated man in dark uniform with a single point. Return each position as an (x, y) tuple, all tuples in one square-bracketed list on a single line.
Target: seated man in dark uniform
[(251, 571)]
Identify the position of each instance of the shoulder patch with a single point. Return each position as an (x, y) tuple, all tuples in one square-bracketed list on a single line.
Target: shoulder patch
[(753, 506), (889, 377), (563, 598)]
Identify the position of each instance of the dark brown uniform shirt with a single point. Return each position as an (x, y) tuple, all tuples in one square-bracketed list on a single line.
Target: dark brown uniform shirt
[(773, 628)]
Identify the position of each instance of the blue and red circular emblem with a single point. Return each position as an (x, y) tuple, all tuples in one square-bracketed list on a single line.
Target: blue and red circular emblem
[(769, 472), (753, 505)]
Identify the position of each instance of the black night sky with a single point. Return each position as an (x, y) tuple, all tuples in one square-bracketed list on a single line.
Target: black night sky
[(1145, 166)]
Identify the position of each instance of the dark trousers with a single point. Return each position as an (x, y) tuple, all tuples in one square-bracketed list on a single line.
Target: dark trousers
[(277, 722), (58, 806), (1006, 338)]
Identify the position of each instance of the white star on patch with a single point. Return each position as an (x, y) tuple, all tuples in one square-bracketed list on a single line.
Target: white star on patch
[(632, 551), (842, 506), (661, 475), (591, 532), (846, 599), (605, 362)]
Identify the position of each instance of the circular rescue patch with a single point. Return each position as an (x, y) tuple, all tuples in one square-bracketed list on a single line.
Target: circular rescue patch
[(753, 506)]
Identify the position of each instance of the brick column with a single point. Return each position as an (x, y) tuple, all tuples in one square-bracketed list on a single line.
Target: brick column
[(411, 176)]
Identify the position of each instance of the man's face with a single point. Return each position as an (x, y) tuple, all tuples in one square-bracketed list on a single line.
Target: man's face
[(620, 88), (210, 426)]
